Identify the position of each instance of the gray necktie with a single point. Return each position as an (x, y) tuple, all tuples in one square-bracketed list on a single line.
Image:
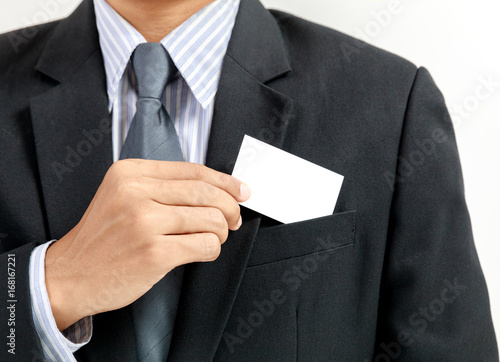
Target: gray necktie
[(152, 136)]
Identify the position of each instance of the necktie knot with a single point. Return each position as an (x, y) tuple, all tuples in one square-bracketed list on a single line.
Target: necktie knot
[(153, 69)]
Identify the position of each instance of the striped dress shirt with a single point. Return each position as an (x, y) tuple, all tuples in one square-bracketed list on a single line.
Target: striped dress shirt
[(197, 47)]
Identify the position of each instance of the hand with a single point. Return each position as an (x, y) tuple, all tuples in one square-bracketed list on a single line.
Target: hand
[(146, 218)]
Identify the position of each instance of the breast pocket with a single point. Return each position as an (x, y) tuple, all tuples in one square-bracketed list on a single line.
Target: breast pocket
[(298, 239)]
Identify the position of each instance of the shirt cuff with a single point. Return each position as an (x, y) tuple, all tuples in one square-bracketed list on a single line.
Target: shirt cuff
[(56, 346)]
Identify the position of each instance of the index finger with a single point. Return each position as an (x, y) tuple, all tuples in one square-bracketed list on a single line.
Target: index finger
[(168, 170)]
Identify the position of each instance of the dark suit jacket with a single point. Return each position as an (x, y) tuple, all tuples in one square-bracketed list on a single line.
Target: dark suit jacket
[(392, 273)]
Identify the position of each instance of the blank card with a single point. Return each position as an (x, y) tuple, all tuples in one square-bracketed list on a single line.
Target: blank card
[(285, 187)]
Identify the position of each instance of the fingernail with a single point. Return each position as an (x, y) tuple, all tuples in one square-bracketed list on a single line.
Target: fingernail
[(240, 221), (245, 191)]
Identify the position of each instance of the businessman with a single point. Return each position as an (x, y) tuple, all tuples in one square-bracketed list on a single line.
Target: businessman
[(116, 248)]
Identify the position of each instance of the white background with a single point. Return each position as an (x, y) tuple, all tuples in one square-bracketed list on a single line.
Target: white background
[(457, 40)]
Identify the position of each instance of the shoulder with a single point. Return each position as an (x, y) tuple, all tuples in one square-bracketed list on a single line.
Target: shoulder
[(20, 49), (326, 51)]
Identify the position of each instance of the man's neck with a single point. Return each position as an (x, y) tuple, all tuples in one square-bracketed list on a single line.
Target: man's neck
[(155, 19)]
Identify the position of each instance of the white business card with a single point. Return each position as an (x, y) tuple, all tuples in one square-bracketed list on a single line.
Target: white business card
[(285, 187)]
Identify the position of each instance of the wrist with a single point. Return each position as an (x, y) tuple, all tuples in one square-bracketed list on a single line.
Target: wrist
[(60, 288)]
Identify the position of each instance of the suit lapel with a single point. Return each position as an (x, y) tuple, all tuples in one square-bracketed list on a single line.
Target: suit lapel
[(244, 105), (71, 121)]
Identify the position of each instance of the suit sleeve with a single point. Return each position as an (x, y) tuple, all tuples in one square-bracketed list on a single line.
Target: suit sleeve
[(30, 330), (56, 346), (434, 304), (22, 342)]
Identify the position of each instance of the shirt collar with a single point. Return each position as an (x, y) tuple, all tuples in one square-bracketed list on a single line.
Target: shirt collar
[(197, 47)]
